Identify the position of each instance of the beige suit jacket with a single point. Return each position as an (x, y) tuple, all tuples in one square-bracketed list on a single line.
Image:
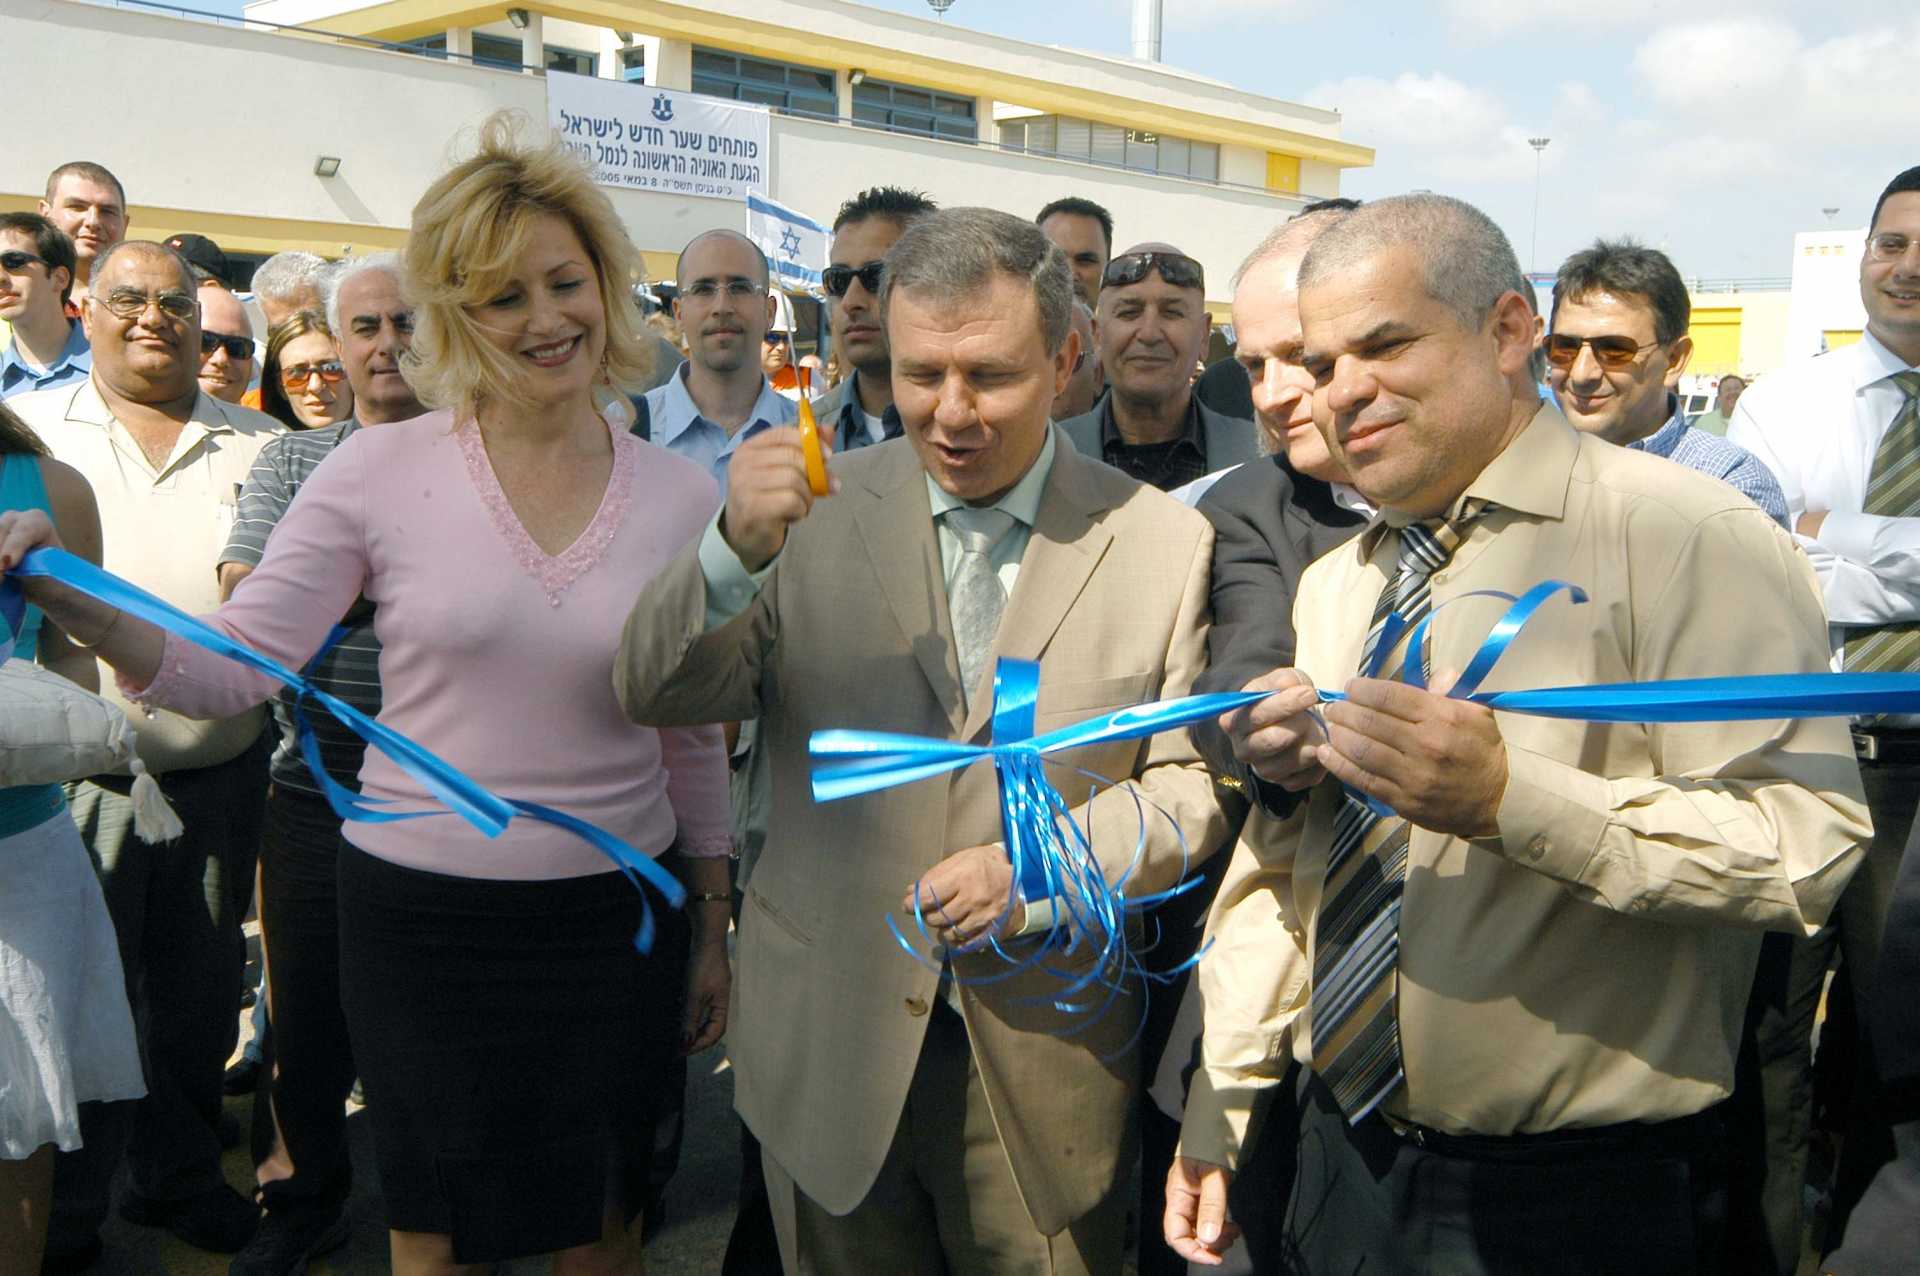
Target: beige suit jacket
[(851, 630)]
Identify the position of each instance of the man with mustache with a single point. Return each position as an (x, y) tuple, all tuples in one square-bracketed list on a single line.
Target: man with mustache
[(89, 204), (1513, 980), (1151, 324), (165, 460), (720, 397)]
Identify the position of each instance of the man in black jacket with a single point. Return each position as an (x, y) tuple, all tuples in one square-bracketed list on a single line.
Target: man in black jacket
[(1271, 517)]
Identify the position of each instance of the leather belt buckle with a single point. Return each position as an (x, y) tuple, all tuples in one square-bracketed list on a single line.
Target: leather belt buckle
[(1866, 746)]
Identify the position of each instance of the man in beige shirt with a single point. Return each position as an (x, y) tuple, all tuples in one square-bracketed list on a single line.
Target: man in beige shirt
[(911, 1123), (166, 462), (1517, 999)]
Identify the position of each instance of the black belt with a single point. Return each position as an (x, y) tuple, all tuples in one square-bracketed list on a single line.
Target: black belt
[(1887, 746), (1677, 1136)]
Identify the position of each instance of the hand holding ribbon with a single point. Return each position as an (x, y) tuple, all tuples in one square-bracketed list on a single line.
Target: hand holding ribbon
[(457, 792)]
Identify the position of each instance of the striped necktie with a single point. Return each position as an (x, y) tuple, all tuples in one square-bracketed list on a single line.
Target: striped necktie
[(1893, 491), (1356, 1030)]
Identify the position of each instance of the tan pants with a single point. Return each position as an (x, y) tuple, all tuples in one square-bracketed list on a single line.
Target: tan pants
[(945, 1203)]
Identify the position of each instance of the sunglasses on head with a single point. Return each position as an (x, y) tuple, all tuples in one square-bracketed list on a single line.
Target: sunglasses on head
[(840, 278), (297, 376), (238, 349), (1179, 270), (14, 260), (1609, 352)]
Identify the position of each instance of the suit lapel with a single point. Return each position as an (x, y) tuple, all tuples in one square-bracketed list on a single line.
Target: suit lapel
[(1062, 551), (897, 530)]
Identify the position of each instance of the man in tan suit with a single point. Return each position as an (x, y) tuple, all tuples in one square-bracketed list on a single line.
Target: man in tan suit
[(912, 1122)]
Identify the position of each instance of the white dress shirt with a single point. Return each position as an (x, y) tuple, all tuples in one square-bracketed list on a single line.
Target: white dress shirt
[(1817, 424)]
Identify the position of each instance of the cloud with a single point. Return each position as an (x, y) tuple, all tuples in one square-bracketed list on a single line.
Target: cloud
[(1456, 131)]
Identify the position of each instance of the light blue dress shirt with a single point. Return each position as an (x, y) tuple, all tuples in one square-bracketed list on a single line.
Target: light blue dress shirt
[(679, 427), (75, 363)]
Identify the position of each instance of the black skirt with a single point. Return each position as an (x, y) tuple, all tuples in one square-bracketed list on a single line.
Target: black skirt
[(512, 1045)]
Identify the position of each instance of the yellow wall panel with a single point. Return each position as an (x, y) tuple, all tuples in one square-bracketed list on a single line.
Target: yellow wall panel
[(1283, 172), (1838, 337), (1716, 340)]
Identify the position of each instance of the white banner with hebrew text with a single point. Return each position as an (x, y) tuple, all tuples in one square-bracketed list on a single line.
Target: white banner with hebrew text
[(641, 138)]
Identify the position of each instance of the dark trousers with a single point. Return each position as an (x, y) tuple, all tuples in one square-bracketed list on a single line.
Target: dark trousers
[(176, 912), (1641, 1199), (311, 1068), (1174, 930), (1779, 1078)]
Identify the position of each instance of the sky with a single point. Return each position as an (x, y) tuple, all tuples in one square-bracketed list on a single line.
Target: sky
[(1712, 129)]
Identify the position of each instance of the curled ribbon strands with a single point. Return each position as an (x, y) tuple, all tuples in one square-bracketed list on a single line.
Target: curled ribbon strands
[(1050, 854), (457, 792)]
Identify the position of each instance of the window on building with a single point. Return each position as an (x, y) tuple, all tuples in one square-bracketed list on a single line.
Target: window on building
[(633, 65), (797, 90), (1110, 144), (902, 108), (503, 54)]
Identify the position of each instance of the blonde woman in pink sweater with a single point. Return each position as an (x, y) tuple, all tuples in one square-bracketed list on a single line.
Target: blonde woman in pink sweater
[(507, 1032)]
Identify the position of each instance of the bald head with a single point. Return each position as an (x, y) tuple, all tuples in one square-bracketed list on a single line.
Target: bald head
[(731, 237), (1288, 242), (148, 253)]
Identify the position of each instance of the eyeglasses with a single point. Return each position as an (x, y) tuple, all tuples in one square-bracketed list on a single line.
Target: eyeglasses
[(14, 261), (840, 278), (297, 376), (1612, 353), (736, 290), (238, 349), (126, 303), (1887, 247), (1178, 270), (775, 338)]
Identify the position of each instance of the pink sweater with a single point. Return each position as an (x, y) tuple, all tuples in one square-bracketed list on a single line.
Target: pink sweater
[(494, 655)]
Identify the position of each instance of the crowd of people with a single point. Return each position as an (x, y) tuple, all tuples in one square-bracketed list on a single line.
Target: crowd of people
[(1446, 989)]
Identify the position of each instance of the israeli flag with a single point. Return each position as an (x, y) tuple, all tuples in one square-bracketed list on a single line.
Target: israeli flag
[(795, 244)]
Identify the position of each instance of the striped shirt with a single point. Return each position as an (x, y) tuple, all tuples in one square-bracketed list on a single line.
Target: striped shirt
[(351, 670)]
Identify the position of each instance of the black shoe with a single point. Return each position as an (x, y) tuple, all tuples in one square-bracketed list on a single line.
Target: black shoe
[(288, 1238), (242, 1078), (71, 1261), (219, 1219)]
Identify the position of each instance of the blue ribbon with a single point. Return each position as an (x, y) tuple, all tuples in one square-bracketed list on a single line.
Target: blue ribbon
[(457, 792), (1051, 856)]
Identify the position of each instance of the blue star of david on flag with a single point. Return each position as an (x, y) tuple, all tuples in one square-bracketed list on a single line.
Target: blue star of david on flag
[(795, 244)]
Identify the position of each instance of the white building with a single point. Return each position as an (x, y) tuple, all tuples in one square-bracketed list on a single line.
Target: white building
[(234, 146)]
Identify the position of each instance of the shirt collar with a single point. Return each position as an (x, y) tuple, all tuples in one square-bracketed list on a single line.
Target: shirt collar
[(1022, 500), (209, 414), (76, 353), (1664, 440), (1193, 434), (769, 408), (1530, 477), (1873, 362)]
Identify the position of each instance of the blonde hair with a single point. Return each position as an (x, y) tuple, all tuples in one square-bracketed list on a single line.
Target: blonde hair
[(469, 231)]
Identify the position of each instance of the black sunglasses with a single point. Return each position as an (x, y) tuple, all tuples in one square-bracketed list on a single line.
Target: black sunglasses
[(238, 348), (1178, 270), (15, 260), (840, 278)]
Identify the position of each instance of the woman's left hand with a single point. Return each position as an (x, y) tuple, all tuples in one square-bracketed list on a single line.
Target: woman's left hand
[(709, 986)]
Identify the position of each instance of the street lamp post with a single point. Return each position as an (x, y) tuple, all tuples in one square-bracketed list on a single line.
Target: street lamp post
[(1538, 144)]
